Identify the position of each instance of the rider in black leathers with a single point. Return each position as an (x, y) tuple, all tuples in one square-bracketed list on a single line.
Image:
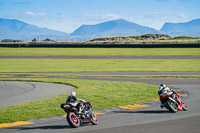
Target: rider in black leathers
[(71, 99)]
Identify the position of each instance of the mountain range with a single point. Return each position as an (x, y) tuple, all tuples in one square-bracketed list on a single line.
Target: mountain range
[(191, 28), (118, 27), (16, 29)]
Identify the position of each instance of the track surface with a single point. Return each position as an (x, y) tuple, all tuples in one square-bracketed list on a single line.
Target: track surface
[(15, 92)]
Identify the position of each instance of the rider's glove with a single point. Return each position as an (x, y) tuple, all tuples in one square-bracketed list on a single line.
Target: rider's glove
[(173, 91)]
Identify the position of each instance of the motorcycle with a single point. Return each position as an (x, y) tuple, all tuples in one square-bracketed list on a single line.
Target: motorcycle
[(74, 118), (172, 101)]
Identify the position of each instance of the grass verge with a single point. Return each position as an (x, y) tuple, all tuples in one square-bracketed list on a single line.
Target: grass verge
[(154, 76), (103, 94), (100, 65), (99, 51), (10, 75)]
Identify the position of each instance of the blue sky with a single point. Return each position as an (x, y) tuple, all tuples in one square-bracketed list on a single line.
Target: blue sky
[(68, 15)]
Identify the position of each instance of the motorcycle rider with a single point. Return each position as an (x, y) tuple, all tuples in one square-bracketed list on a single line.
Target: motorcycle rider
[(71, 99), (165, 89)]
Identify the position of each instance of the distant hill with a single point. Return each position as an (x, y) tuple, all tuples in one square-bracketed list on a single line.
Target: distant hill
[(146, 37), (15, 29), (191, 28), (118, 27), (18, 30)]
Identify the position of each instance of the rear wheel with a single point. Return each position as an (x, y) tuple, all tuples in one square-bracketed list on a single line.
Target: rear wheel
[(94, 119), (172, 106), (73, 120)]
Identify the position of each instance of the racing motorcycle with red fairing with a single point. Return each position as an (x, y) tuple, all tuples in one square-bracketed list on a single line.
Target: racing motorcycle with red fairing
[(75, 118), (172, 101)]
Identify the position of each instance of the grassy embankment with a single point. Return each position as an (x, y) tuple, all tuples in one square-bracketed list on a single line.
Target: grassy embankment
[(130, 40), (94, 65), (69, 75), (99, 51), (119, 40)]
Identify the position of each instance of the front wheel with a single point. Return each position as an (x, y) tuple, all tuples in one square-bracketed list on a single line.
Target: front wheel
[(73, 120), (184, 106), (94, 119), (172, 106)]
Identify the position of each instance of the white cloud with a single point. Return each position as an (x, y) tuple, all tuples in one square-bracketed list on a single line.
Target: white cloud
[(63, 16), (41, 14), (182, 15), (21, 3), (169, 0), (110, 16), (30, 13), (172, 0), (35, 14), (107, 16), (154, 15)]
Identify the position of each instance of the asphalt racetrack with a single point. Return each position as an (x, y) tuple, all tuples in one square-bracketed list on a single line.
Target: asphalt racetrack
[(15, 92), (150, 119)]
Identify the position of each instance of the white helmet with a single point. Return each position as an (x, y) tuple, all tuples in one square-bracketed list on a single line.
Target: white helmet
[(162, 86), (72, 93)]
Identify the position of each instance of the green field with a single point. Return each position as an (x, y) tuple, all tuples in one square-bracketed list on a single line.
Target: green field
[(136, 76), (99, 51), (58, 75), (103, 94), (94, 65)]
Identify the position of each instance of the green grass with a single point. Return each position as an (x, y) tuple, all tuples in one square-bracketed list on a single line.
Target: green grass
[(103, 94), (185, 38), (99, 51), (94, 65), (138, 76), (29, 75), (154, 76)]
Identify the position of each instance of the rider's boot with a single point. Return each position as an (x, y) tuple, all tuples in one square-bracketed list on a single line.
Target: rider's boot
[(80, 111), (161, 105)]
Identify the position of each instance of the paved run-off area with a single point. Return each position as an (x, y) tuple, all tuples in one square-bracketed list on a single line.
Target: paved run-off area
[(15, 92)]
